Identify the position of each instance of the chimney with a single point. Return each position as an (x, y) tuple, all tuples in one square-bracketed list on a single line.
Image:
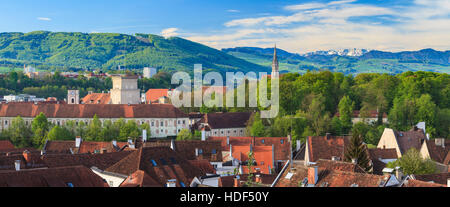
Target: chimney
[(196, 152), (26, 154), (78, 141), (172, 183), (17, 165), (144, 135), (313, 175), (258, 178), (448, 182), (42, 152), (237, 181), (328, 135), (172, 144), (231, 152), (114, 143), (130, 141), (228, 140), (354, 161), (398, 173)]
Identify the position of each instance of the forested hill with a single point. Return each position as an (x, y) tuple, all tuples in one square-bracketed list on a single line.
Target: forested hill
[(370, 62), (109, 50)]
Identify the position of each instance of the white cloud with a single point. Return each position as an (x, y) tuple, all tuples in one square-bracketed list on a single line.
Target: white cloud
[(340, 24), (44, 19), (169, 32), (233, 11)]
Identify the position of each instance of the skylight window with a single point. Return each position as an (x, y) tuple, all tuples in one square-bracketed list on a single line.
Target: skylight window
[(163, 161), (70, 185), (214, 151), (182, 184), (154, 163)]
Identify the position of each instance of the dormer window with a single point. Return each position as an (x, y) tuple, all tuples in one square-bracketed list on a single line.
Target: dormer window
[(262, 141), (153, 163), (282, 141)]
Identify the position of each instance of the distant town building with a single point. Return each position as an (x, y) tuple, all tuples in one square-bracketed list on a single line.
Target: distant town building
[(23, 98), (402, 141), (158, 96), (275, 68), (97, 98), (224, 124), (125, 90), (149, 72), (28, 69)]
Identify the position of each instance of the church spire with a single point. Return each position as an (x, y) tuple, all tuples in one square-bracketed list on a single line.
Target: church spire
[(275, 62)]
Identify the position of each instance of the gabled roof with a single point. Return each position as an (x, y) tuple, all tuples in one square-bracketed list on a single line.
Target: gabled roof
[(226, 120), (204, 166), (281, 144), (159, 163), (101, 161), (58, 147), (97, 147), (325, 147), (6, 145), (438, 153), (262, 155), (76, 176), (34, 161), (187, 149), (377, 154), (97, 98), (52, 110), (440, 178), (409, 139)]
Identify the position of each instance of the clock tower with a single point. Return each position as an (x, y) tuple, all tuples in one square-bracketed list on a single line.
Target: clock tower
[(73, 97)]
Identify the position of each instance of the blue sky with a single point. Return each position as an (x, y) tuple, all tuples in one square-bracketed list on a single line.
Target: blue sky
[(297, 26)]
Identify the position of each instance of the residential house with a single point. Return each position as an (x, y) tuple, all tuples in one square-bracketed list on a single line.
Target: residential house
[(96, 98), (438, 178), (371, 117), (6, 145), (437, 150), (158, 96), (224, 124), (402, 141), (325, 147), (380, 157)]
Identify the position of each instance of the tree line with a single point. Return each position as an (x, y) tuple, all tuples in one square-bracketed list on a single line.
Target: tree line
[(35, 135)]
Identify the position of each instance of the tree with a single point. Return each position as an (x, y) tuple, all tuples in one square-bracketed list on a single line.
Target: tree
[(358, 150), (257, 129), (413, 163), (317, 117), (184, 134), (346, 113), (93, 132), (426, 111), (129, 130), (40, 127), (250, 164), (19, 133), (59, 133)]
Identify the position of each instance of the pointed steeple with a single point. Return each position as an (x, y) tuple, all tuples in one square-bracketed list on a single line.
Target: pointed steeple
[(275, 62)]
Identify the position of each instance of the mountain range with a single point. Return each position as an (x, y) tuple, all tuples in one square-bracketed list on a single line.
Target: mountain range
[(349, 61), (75, 50)]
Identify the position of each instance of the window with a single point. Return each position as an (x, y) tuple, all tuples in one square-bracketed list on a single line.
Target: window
[(200, 151), (282, 141), (153, 123), (111, 183), (162, 123), (179, 122), (182, 184), (262, 141), (6, 122), (262, 163), (184, 121), (153, 163), (70, 185)]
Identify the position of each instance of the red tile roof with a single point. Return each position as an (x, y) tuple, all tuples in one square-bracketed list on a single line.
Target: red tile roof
[(281, 144), (329, 177), (6, 145), (228, 181), (101, 161), (262, 155), (204, 166), (339, 166), (77, 176), (323, 147), (438, 153), (58, 147), (153, 95), (187, 149), (97, 147), (97, 98), (169, 165), (440, 178), (89, 110), (226, 120), (376, 154), (418, 183)]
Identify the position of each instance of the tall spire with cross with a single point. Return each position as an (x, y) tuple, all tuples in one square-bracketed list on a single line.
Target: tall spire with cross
[(275, 71)]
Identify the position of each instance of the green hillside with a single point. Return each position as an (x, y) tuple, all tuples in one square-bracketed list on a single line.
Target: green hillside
[(372, 62), (109, 50)]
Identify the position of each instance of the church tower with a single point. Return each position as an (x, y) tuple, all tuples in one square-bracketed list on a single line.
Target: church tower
[(275, 72)]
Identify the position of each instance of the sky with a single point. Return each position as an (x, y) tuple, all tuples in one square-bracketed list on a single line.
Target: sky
[(297, 26)]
